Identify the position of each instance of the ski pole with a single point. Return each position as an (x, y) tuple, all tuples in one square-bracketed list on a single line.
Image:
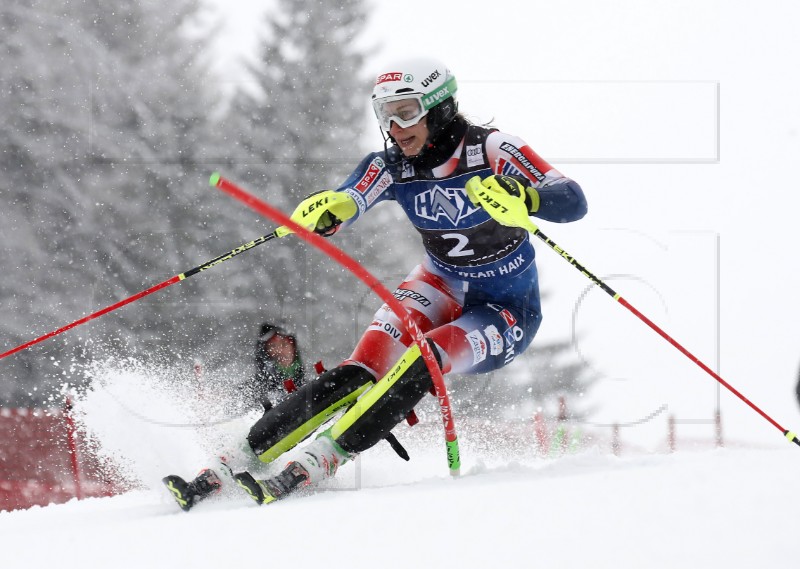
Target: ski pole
[(791, 436), (451, 439), (177, 278)]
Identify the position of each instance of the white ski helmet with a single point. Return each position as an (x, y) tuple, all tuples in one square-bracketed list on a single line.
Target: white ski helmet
[(413, 88)]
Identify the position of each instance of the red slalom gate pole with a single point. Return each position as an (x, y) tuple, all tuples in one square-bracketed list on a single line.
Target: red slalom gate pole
[(451, 439), (72, 445), (142, 294)]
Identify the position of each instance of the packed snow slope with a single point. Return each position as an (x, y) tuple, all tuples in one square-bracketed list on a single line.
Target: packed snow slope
[(578, 506), (722, 508), (730, 507)]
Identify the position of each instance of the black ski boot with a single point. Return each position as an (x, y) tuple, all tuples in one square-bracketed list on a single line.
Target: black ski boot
[(277, 487), (318, 461), (187, 494)]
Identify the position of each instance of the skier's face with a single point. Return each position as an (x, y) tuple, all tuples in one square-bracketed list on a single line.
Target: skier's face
[(411, 139)]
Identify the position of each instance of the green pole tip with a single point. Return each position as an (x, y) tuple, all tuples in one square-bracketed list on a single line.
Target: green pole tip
[(214, 180)]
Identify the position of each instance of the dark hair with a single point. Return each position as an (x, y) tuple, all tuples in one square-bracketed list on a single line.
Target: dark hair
[(268, 327), (440, 116)]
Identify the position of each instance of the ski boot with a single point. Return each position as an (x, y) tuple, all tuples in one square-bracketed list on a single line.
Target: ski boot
[(277, 487), (187, 494), (319, 460)]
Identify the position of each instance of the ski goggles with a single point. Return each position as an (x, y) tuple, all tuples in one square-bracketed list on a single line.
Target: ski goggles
[(407, 109)]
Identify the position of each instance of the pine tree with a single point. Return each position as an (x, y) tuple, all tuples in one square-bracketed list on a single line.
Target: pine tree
[(103, 107), (300, 134)]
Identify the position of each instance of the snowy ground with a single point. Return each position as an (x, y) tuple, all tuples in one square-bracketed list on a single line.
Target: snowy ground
[(706, 507), (725, 508)]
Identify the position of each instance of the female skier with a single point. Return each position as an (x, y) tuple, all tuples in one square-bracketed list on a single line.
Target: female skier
[(475, 294)]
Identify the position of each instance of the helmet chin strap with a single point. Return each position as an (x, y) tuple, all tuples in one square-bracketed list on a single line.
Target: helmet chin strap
[(386, 138)]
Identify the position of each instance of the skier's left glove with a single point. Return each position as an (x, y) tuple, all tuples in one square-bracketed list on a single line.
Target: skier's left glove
[(508, 199), (323, 212)]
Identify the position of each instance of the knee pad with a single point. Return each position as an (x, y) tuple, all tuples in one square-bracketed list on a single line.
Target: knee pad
[(302, 413)]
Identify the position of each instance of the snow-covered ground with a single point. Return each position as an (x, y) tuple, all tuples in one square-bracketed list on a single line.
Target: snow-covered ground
[(700, 507), (721, 508)]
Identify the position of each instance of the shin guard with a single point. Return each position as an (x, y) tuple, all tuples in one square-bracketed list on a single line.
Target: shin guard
[(385, 405), (302, 413)]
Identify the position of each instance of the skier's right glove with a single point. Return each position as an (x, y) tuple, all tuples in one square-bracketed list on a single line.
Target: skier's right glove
[(323, 212)]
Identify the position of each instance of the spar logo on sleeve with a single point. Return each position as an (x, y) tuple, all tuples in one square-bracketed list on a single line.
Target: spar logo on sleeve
[(479, 346), (370, 175), (383, 182)]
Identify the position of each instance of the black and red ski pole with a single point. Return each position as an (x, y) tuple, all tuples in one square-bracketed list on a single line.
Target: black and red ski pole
[(533, 228), (171, 281)]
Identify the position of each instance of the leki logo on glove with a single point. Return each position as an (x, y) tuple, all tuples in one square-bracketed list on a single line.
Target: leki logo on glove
[(489, 201), (311, 207)]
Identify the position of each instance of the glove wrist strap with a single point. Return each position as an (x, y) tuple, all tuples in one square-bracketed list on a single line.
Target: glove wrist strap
[(531, 199)]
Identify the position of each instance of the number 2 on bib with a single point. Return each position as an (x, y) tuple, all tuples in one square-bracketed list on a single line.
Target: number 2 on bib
[(460, 248)]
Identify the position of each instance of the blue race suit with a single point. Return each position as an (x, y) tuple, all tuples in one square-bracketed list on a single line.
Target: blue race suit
[(476, 292)]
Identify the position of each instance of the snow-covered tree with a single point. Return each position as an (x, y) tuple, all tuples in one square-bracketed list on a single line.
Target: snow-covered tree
[(102, 107), (299, 133)]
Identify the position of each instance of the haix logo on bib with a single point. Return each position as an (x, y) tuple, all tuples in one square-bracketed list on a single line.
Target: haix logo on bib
[(439, 202)]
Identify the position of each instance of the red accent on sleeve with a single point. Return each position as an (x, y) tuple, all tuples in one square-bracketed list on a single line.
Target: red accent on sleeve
[(510, 154)]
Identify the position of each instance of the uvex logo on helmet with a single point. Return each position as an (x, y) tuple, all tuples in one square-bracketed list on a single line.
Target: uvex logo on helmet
[(431, 78), (393, 76)]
